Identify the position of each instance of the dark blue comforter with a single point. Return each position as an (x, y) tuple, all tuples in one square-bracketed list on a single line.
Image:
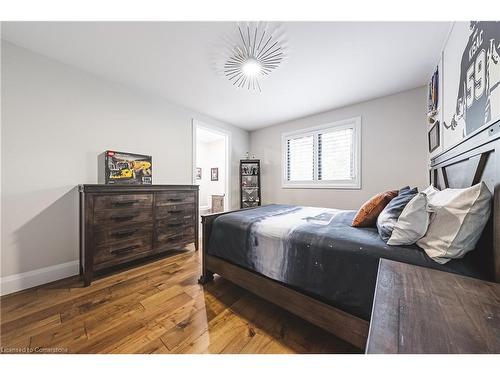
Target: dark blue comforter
[(316, 251)]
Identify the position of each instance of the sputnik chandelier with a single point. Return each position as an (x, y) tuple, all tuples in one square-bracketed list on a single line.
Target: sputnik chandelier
[(253, 53)]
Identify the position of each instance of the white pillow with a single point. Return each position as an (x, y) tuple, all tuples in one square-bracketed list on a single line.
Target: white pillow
[(458, 217), (412, 223), (430, 191)]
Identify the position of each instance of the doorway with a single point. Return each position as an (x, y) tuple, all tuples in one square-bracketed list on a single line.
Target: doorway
[(211, 170)]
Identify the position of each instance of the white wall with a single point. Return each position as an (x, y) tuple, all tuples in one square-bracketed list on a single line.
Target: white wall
[(212, 155), (450, 83), (201, 162), (55, 121), (394, 151)]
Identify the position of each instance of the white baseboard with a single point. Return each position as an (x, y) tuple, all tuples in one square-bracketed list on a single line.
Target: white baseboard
[(25, 280)]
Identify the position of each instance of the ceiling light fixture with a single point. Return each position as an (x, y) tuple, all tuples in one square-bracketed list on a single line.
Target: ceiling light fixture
[(254, 52), (251, 68)]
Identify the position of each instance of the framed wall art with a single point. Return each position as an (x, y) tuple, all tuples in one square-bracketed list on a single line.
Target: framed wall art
[(434, 138), (214, 174)]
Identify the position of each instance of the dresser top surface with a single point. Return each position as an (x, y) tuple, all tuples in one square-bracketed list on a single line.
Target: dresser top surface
[(101, 188), (420, 310)]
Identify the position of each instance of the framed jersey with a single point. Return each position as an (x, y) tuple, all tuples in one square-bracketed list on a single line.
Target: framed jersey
[(472, 79)]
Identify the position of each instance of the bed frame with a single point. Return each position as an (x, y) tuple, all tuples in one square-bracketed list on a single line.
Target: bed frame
[(475, 159)]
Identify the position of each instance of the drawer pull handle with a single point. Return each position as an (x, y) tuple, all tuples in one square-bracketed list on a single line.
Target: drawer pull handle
[(125, 203), (122, 217), (174, 211), (175, 199), (175, 224), (171, 238), (124, 233), (124, 249)]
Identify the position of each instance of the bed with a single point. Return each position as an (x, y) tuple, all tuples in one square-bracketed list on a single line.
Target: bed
[(311, 262)]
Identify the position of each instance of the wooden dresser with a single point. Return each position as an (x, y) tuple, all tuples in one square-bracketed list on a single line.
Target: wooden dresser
[(420, 310), (119, 224)]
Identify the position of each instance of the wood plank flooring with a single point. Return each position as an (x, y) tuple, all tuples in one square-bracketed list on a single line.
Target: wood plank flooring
[(157, 307)]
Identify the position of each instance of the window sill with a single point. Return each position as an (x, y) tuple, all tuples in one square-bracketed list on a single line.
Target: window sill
[(355, 186)]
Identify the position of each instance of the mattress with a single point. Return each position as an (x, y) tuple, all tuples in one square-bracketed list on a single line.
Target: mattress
[(315, 251)]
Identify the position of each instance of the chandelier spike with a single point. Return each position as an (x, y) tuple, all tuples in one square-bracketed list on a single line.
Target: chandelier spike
[(252, 53)]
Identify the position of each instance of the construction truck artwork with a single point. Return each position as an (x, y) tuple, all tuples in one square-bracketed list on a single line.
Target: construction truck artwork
[(126, 168)]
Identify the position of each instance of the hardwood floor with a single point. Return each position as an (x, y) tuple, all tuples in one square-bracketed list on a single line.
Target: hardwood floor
[(157, 307)]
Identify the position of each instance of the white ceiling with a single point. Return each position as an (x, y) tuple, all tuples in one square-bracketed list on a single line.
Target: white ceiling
[(329, 64)]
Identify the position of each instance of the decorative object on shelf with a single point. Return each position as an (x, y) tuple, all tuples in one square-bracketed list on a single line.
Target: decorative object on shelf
[(251, 53), (250, 183), (123, 168), (434, 137), (198, 173), (214, 174)]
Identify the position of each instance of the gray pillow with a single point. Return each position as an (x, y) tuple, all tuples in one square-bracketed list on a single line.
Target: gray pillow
[(412, 223), (390, 214)]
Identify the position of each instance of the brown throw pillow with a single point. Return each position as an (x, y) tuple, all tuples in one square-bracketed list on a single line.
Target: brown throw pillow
[(369, 211)]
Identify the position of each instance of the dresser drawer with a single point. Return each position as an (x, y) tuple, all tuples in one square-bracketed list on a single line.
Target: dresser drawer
[(117, 252), (174, 239), (174, 224), (174, 197), (118, 201), (108, 235), (164, 233), (175, 211), (123, 216)]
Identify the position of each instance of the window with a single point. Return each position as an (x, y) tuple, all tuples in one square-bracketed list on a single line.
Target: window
[(327, 156)]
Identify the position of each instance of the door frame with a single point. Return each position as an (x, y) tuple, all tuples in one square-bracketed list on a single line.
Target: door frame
[(197, 124)]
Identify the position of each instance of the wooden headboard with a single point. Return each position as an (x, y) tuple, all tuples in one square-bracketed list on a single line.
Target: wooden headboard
[(475, 159)]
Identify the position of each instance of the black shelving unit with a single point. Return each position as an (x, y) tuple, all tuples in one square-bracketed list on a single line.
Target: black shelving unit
[(250, 183)]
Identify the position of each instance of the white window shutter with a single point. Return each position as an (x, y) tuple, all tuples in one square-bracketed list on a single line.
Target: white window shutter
[(326, 156), (335, 155), (300, 158)]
